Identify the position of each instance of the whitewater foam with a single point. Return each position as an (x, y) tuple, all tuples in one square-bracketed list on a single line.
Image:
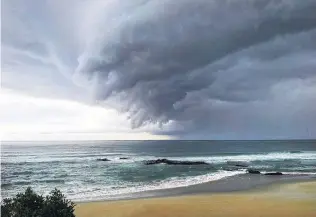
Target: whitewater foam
[(174, 182), (253, 157)]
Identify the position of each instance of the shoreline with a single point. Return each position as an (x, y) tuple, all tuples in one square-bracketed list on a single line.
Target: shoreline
[(232, 184), (293, 198)]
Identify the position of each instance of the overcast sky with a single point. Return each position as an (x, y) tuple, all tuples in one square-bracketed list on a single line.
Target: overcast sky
[(158, 69)]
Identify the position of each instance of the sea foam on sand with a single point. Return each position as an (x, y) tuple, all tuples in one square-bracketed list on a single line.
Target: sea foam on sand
[(290, 200)]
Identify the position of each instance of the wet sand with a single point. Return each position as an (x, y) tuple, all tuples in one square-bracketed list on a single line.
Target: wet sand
[(244, 182), (280, 199)]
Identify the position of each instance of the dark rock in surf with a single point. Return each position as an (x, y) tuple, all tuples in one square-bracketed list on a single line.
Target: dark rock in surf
[(124, 158), (238, 163), (103, 159), (274, 174), (253, 171), (174, 162), (229, 169)]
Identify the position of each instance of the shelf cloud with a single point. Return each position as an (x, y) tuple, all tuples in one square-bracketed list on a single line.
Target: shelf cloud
[(196, 69), (207, 65)]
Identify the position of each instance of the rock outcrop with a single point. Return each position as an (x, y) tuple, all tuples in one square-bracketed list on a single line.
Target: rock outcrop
[(238, 163), (251, 171), (103, 159), (174, 162), (274, 174)]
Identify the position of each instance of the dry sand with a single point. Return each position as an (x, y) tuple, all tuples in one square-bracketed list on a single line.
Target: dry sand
[(288, 200)]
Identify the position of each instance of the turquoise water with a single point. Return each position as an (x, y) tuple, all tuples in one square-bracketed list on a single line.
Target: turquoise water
[(73, 166)]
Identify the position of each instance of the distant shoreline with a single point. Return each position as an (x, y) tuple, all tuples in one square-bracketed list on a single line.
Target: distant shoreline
[(290, 197), (233, 184)]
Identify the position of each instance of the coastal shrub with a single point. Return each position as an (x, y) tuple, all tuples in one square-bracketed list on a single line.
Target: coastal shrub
[(30, 204)]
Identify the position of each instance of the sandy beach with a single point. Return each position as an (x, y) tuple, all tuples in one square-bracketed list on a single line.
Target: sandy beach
[(286, 199)]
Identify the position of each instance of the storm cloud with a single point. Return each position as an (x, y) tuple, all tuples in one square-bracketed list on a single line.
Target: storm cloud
[(208, 66), (192, 69)]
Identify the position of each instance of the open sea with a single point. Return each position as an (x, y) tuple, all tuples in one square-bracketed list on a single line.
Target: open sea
[(73, 166)]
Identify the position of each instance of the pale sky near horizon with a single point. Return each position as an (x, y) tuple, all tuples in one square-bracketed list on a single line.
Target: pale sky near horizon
[(156, 69), (24, 117), (41, 99)]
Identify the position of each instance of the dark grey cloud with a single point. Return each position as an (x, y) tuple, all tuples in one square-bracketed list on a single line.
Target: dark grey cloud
[(209, 67)]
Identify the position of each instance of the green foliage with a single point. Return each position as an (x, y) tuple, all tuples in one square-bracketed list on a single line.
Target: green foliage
[(31, 204), (56, 205)]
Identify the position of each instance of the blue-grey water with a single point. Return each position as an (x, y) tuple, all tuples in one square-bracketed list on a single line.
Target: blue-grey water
[(73, 166)]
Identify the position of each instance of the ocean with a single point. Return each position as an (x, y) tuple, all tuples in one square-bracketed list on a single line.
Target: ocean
[(73, 166)]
